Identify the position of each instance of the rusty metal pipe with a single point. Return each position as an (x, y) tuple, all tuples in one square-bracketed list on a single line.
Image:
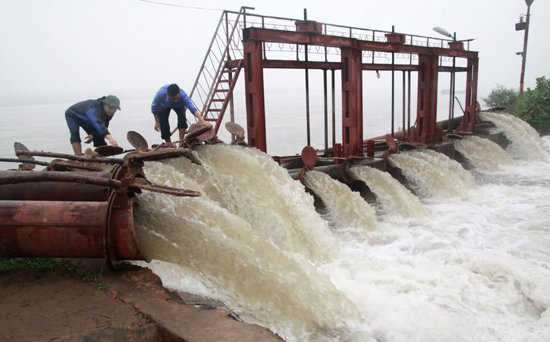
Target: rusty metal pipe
[(55, 191), (70, 230), (63, 228), (397, 135), (52, 176), (20, 161), (70, 157), (334, 171), (53, 229)]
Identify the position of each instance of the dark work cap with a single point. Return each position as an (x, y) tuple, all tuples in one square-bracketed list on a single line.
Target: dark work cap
[(112, 101)]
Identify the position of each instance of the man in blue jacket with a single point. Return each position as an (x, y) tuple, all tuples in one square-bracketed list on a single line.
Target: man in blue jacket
[(94, 117), (171, 97)]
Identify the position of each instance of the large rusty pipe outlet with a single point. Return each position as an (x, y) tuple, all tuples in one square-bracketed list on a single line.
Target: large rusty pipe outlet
[(64, 219), (53, 229)]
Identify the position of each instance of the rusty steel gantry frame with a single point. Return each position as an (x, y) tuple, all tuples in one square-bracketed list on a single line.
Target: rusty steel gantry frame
[(311, 33)]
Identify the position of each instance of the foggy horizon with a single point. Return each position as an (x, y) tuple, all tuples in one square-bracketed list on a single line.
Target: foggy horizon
[(69, 51)]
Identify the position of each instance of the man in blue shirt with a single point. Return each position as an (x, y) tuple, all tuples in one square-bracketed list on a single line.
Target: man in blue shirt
[(171, 97), (93, 116)]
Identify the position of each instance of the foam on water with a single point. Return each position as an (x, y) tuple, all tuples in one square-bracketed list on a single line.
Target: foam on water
[(263, 283), (262, 193), (348, 210), (484, 154), (433, 174), (476, 270), (525, 140), (394, 197), (475, 267)]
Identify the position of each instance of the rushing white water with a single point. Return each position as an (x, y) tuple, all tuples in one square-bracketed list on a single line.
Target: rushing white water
[(484, 154), (433, 174), (476, 267), (525, 140), (263, 283), (348, 210), (394, 197), (261, 192)]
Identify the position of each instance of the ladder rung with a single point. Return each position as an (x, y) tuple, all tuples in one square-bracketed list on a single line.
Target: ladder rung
[(222, 90), (225, 81), (214, 110), (218, 100)]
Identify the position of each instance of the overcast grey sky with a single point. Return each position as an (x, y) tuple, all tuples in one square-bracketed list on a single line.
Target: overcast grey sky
[(132, 47)]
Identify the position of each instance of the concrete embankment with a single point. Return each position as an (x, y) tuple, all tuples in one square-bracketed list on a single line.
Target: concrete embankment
[(128, 305)]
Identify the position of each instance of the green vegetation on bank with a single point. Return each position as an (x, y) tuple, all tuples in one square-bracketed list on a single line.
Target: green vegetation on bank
[(34, 264), (533, 106), (502, 96), (51, 265)]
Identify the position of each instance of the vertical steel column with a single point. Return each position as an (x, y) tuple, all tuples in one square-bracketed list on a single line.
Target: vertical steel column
[(409, 108), (404, 103), (471, 96), (427, 99), (307, 97), (254, 92), (392, 94), (451, 97), (352, 102), (307, 87), (333, 84), (325, 96)]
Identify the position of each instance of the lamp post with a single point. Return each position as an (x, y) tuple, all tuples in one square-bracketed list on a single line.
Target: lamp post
[(519, 27), (452, 85), (444, 32)]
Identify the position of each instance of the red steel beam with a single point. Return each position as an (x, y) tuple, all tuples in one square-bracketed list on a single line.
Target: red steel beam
[(427, 100), (471, 96), (352, 102), (268, 35), (351, 66), (254, 92), (288, 64)]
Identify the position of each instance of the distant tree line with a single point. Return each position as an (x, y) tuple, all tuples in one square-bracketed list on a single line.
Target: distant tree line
[(533, 106)]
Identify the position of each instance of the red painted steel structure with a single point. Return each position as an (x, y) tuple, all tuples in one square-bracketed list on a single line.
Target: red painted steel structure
[(427, 100), (352, 102), (471, 96), (254, 90), (310, 33)]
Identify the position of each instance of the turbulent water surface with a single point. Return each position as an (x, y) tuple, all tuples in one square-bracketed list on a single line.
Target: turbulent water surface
[(463, 257), (457, 255)]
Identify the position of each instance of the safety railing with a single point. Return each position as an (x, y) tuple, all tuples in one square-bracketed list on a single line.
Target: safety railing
[(226, 45)]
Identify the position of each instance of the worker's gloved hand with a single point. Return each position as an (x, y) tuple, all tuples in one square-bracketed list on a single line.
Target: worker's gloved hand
[(89, 139)]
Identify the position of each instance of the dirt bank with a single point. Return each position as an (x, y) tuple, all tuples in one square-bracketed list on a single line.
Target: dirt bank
[(129, 305)]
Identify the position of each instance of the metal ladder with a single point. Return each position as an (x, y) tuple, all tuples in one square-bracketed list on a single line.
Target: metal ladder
[(221, 95), (213, 88)]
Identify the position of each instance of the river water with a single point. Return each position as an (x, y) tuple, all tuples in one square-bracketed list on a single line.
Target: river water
[(461, 255)]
